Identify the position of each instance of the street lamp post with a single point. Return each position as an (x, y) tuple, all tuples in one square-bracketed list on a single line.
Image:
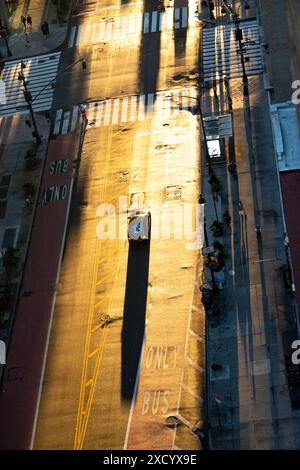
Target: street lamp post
[(3, 33), (28, 99)]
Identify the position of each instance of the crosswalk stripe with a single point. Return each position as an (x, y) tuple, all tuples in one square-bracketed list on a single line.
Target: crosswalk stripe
[(177, 18), (141, 113), (108, 29), (102, 31), (184, 18), (133, 103), (79, 33), (221, 55), (160, 21), (57, 121), (154, 21), (129, 108), (107, 113), (72, 36), (146, 22), (75, 113), (124, 110), (39, 72), (99, 114), (65, 122), (115, 115), (150, 102), (134, 23)]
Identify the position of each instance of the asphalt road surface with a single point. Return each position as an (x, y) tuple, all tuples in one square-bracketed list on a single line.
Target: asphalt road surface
[(126, 349)]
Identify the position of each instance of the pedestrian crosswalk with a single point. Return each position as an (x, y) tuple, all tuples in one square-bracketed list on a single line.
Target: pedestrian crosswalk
[(120, 27), (221, 55), (126, 109), (39, 71)]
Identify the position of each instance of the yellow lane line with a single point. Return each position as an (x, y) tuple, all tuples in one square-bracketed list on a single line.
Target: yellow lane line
[(103, 279), (96, 370), (90, 317)]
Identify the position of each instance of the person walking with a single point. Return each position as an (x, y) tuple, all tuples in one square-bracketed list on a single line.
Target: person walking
[(45, 29), (201, 199), (241, 209), (232, 169), (23, 19), (258, 233), (29, 21), (227, 218)]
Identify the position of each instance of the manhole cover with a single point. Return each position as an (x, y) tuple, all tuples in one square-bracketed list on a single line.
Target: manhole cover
[(105, 317), (172, 421)]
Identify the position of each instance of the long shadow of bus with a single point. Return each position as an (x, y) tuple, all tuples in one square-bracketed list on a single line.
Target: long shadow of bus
[(134, 314)]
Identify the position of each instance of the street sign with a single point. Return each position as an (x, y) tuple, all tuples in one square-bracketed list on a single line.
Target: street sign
[(214, 149), (218, 127)]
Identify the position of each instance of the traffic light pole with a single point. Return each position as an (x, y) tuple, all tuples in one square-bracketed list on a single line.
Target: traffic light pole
[(28, 99)]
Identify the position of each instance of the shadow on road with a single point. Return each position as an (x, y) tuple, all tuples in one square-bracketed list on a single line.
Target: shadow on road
[(134, 314)]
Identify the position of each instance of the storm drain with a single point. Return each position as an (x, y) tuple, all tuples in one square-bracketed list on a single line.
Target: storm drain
[(173, 192)]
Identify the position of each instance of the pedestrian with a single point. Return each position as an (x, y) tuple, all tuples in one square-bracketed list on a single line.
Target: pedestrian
[(226, 81), (201, 199), (215, 196), (28, 44), (29, 21), (23, 19), (45, 29), (83, 63), (216, 367), (47, 116), (227, 218), (241, 209), (258, 233), (232, 169)]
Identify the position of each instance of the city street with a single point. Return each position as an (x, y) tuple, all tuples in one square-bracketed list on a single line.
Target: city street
[(130, 311)]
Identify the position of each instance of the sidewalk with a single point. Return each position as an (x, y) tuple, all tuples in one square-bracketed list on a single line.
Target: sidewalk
[(40, 11), (16, 214), (251, 336), (23, 376)]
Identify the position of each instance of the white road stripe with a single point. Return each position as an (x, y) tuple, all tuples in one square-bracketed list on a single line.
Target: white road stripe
[(107, 112), (86, 34), (108, 32), (150, 104), (115, 116), (72, 36), (102, 31), (75, 115), (79, 33), (184, 21), (65, 122), (154, 22), (57, 121), (160, 21), (90, 111), (169, 14), (177, 18), (124, 26), (124, 110), (132, 21), (146, 22), (99, 114), (133, 103), (141, 114)]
